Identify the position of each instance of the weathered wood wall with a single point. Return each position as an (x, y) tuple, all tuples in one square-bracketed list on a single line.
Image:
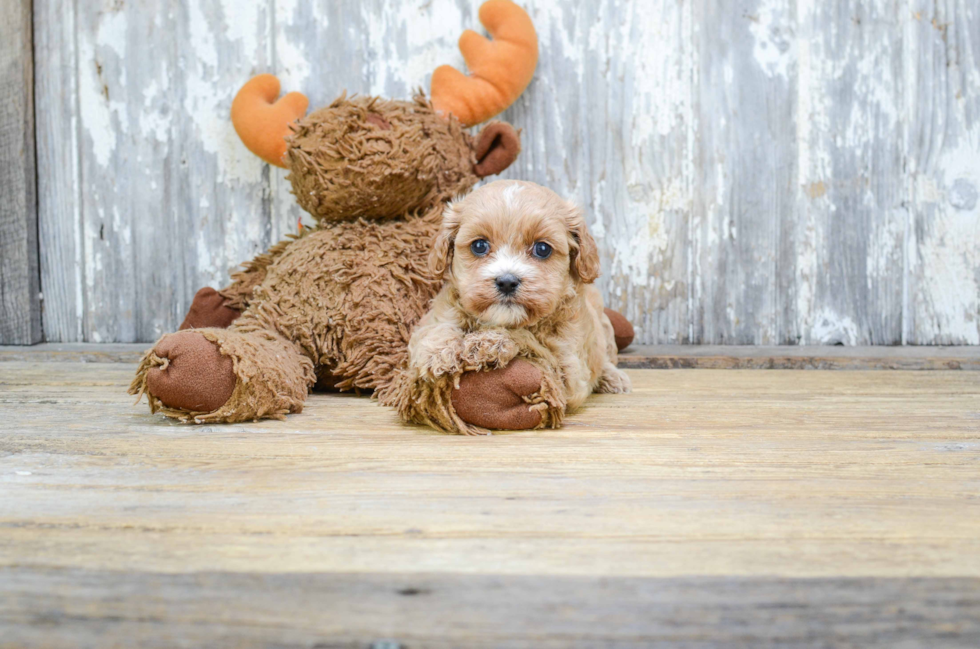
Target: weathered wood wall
[(20, 281), (757, 171)]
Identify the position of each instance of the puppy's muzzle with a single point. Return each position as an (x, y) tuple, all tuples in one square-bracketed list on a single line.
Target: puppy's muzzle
[(507, 284)]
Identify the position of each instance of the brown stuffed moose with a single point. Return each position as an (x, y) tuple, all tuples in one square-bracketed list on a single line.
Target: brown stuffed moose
[(338, 302)]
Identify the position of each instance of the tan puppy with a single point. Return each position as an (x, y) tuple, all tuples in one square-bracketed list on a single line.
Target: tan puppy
[(519, 264)]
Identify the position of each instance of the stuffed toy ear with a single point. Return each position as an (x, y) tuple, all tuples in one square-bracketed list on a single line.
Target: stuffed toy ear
[(500, 69), (584, 253), (263, 123), (441, 255), (497, 146)]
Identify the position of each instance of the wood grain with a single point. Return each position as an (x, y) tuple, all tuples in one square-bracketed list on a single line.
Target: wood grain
[(736, 508), (782, 473), (79, 608), (852, 192), (20, 289), (62, 236), (760, 172), (718, 357), (942, 150), (746, 173)]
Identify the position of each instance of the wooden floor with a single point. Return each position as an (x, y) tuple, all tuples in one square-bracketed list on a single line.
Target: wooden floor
[(708, 508)]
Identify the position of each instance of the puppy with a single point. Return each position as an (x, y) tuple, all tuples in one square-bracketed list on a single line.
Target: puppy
[(519, 266)]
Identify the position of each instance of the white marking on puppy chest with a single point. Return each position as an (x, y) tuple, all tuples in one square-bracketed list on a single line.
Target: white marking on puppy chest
[(506, 261)]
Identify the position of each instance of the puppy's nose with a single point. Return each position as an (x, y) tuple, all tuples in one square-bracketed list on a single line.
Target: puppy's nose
[(508, 283)]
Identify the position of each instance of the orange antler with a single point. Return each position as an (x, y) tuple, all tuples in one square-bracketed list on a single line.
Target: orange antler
[(499, 69), (262, 122)]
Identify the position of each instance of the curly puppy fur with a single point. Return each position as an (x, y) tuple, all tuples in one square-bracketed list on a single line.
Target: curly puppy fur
[(554, 319), (343, 298)]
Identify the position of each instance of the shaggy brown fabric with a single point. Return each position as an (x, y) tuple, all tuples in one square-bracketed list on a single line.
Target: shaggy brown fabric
[(623, 330), (239, 293), (349, 295), (495, 399), (326, 380), (344, 166), (209, 309), (497, 146), (193, 375)]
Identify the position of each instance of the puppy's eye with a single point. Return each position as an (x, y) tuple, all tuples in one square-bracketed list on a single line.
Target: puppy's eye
[(541, 250), (480, 247)]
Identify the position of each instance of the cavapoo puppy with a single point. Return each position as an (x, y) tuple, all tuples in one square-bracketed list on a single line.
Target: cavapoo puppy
[(519, 266)]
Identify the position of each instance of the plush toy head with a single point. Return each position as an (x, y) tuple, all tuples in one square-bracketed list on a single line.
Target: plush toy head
[(375, 158), (366, 157)]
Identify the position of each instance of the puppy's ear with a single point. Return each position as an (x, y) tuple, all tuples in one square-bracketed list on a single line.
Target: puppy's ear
[(441, 255), (584, 253)]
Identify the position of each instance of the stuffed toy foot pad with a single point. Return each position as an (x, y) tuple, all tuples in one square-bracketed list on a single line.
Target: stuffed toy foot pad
[(224, 375), (209, 309), (622, 329), (193, 376), (495, 399)]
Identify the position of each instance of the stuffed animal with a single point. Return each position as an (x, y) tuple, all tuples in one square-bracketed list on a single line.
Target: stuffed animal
[(338, 302)]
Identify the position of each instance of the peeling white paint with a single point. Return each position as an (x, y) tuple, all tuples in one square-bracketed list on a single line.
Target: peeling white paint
[(771, 25), (102, 116), (292, 65), (661, 100), (207, 101), (949, 256), (830, 328), (411, 40), (243, 23)]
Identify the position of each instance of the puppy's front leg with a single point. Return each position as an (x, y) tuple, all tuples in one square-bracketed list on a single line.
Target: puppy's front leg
[(613, 380), (436, 350), (487, 350)]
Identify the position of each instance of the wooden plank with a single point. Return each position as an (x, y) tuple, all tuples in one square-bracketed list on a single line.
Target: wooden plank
[(75, 352), (705, 509), (221, 196), (852, 189), (58, 178), (943, 152), (800, 358), (636, 357), (802, 474), (744, 290), (125, 206), (80, 608), (20, 289)]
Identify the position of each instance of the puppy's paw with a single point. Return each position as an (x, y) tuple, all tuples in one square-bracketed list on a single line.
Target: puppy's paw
[(487, 350), (613, 380), (442, 359)]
